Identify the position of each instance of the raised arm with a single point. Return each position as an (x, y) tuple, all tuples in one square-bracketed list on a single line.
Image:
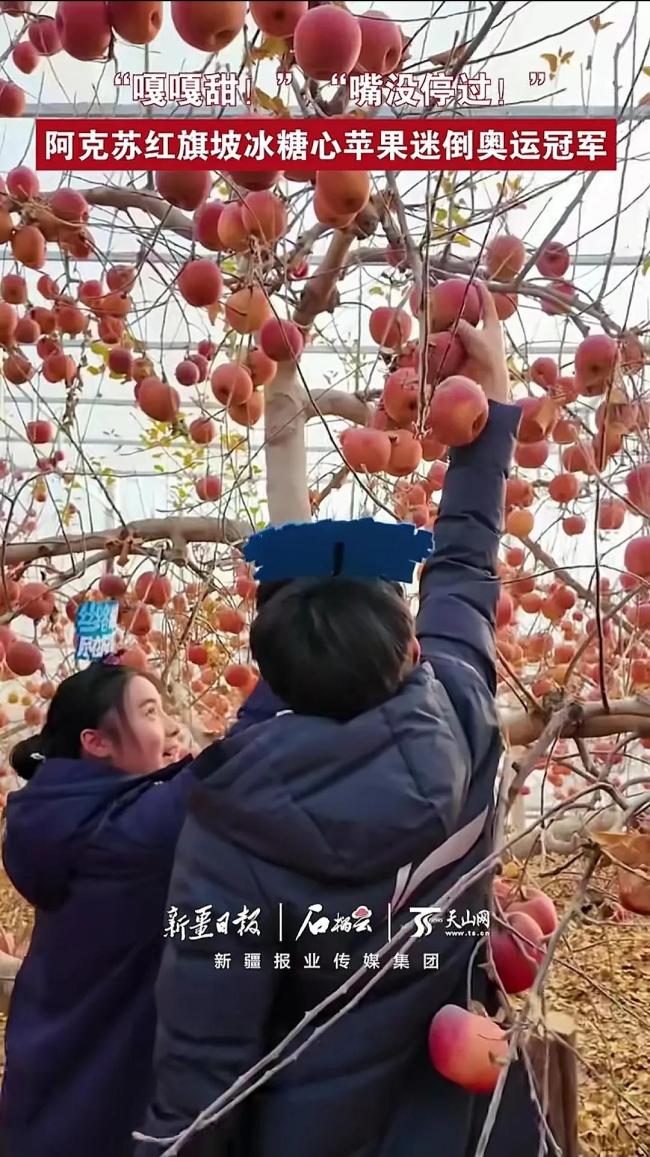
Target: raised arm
[(459, 587)]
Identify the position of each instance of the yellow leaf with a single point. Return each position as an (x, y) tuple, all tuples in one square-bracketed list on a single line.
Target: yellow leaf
[(116, 377), (646, 266), (271, 46), (270, 103), (552, 60), (461, 239), (646, 71), (629, 848), (98, 347)]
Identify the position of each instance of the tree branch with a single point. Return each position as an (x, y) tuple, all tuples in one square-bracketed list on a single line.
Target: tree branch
[(288, 405), (338, 404), (178, 531), (116, 197), (625, 715)]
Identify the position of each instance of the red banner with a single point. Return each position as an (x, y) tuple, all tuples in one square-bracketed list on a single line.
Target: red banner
[(231, 144)]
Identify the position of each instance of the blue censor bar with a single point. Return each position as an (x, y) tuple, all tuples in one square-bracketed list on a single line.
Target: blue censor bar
[(361, 549)]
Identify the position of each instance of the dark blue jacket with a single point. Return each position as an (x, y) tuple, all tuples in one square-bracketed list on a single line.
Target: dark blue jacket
[(91, 848), (305, 811)]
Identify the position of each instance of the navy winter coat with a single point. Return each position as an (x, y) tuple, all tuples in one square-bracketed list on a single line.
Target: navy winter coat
[(91, 848), (306, 811)]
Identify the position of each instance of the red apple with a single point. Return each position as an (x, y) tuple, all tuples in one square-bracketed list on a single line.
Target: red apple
[(209, 488), (458, 411), (278, 17), (539, 907), (23, 658), (401, 396), (553, 260), (366, 450), (467, 1048), (381, 44), (208, 25), (44, 35), (530, 900), (136, 23), (638, 488), (326, 42), (389, 327), (452, 299), (281, 341), (637, 557), (515, 961), (40, 432), (505, 257), (25, 57), (596, 359), (562, 289), (206, 224), (84, 28), (445, 356), (544, 372)]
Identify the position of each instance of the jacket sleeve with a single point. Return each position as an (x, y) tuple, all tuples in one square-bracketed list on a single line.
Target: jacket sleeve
[(151, 822), (213, 1011), (459, 587), (260, 705)]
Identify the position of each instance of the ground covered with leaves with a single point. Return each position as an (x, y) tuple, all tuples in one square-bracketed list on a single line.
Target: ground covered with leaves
[(601, 979)]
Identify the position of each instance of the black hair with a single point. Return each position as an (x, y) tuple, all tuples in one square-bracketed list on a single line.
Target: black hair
[(82, 702), (333, 647), (266, 590)]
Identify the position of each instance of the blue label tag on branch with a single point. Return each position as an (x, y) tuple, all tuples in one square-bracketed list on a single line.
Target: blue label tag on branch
[(95, 630)]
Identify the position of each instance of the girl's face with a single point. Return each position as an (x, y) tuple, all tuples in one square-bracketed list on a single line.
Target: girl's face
[(139, 739)]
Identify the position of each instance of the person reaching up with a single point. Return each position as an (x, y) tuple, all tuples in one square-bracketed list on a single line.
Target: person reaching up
[(311, 837)]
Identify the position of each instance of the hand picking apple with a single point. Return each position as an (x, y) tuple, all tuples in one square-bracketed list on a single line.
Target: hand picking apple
[(486, 357)]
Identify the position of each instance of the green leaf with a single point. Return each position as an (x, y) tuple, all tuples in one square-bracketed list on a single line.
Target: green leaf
[(645, 268), (159, 469), (95, 370), (376, 291)]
